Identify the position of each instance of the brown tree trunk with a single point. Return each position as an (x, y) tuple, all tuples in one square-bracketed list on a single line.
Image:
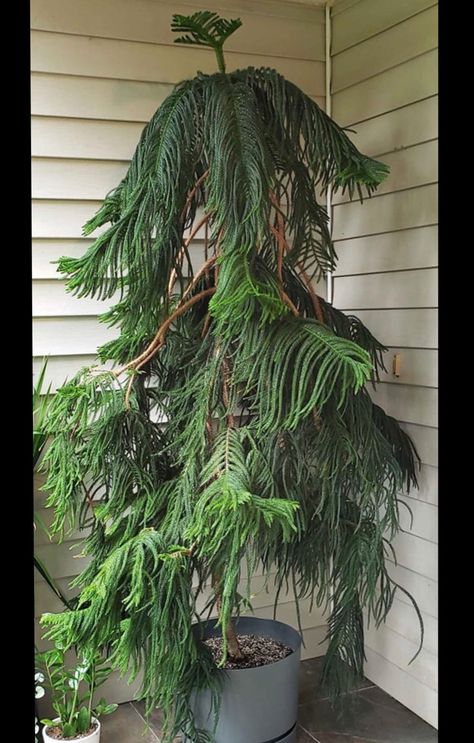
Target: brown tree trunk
[(230, 633)]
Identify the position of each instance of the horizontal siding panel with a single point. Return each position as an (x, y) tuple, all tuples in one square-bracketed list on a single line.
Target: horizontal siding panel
[(371, 17), (93, 98), (416, 554), (263, 597), (413, 328), (418, 366), (287, 613), (69, 336), (74, 179), (401, 288), (63, 368), (90, 56), (424, 589), (46, 252), (314, 642), (47, 517), (50, 299), (417, 248), (389, 48), (425, 440), (83, 138), (309, 11), (393, 680), (300, 35), (394, 130), (414, 166), (400, 651), (409, 82), (409, 404), (425, 519), (416, 207), (340, 6), (402, 618), (427, 490), (61, 559), (62, 219)]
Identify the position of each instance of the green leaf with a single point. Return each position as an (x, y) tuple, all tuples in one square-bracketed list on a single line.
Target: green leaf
[(69, 729), (49, 723), (83, 720)]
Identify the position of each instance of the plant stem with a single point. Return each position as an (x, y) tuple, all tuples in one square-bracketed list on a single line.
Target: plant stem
[(233, 643), (55, 704), (74, 701), (230, 633), (314, 297), (158, 341), (91, 691), (220, 58), (162, 330)]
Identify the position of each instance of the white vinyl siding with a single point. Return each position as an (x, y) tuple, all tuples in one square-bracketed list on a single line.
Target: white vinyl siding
[(100, 68), (384, 86)]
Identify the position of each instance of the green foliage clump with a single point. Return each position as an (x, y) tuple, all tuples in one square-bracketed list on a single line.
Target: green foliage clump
[(72, 690)]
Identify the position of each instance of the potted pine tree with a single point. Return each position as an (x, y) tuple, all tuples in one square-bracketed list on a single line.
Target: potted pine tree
[(235, 425)]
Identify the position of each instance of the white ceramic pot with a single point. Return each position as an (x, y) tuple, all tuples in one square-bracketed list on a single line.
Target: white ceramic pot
[(93, 737)]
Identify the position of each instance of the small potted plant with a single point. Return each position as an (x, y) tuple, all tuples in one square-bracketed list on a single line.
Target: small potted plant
[(72, 694)]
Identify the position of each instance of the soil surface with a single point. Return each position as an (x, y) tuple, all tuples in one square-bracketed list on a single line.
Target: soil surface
[(257, 651), (57, 735)]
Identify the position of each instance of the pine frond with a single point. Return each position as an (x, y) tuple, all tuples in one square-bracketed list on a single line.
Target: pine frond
[(204, 28), (322, 145), (295, 366)]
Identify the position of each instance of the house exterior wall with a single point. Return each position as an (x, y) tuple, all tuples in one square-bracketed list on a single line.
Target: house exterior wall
[(384, 85), (100, 68)]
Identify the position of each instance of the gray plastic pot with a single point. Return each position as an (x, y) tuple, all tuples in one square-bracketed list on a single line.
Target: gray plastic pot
[(258, 705)]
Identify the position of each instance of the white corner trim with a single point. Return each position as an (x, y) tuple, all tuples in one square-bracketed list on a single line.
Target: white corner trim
[(328, 64)]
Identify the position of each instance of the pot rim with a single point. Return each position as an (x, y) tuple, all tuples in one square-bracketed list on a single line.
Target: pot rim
[(73, 740), (298, 638)]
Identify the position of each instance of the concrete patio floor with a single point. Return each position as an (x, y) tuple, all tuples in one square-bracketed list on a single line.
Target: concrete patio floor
[(372, 717)]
